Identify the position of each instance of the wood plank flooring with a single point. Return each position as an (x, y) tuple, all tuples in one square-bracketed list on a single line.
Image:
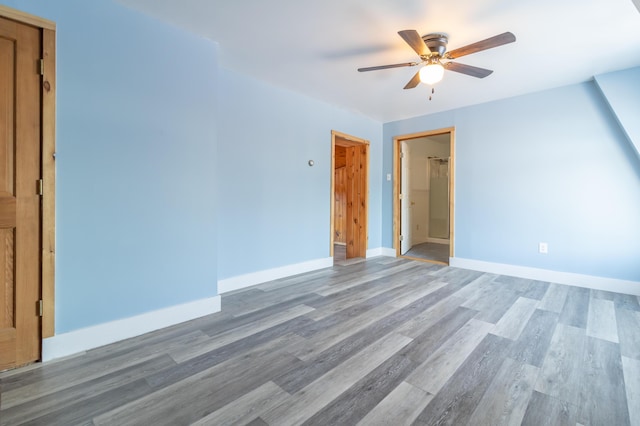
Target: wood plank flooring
[(385, 341), (430, 251)]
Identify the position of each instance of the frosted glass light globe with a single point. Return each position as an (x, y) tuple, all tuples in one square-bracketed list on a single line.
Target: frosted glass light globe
[(431, 73)]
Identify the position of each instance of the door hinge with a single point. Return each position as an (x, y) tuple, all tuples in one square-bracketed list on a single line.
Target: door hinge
[(401, 154), (41, 66), (400, 197), (401, 238), (40, 307), (40, 187)]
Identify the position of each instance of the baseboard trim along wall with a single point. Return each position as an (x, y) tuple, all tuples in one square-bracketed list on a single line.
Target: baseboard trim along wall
[(578, 280), (247, 280), (77, 341), (382, 251)]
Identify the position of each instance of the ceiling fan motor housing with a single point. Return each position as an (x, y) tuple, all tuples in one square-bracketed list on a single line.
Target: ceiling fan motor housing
[(436, 42)]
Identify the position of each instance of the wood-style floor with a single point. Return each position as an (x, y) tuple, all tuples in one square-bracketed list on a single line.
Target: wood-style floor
[(430, 251), (381, 342)]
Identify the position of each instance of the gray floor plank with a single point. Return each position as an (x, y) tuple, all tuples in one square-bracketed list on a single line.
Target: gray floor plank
[(399, 408), (275, 335), (185, 353), (601, 321), (455, 404), (602, 294), (312, 398), (626, 301), (546, 410), (576, 308), (326, 333), (631, 370), (531, 347), (432, 374), (333, 356), (555, 298), (629, 332), (426, 319), (562, 370), (82, 411), (378, 341), (603, 380), (535, 290), (334, 303), (492, 309), (506, 399), (200, 393), (516, 318), (364, 395), (248, 407), (257, 422), (425, 344), (41, 408)]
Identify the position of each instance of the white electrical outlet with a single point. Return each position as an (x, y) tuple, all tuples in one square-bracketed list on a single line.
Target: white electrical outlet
[(543, 248), (388, 176)]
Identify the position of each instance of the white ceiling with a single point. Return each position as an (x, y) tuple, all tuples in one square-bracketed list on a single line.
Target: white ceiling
[(315, 47)]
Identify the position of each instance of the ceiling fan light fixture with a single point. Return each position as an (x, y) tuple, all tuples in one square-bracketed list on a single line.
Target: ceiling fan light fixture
[(431, 73)]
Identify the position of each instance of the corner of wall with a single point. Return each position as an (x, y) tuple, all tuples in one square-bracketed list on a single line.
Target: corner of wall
[(621, 92)]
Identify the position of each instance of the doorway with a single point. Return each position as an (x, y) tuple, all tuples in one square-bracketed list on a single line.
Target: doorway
[(423, 196), (349, 197), (27, 185)]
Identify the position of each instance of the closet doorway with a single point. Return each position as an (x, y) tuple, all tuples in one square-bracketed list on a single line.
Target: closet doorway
[(423, 195)]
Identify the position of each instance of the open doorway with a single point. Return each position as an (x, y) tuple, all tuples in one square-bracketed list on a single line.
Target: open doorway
[(349, 197), (423, 195)]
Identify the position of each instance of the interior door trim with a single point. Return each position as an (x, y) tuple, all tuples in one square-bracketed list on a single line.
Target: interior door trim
[(396, 183), (48, 172)]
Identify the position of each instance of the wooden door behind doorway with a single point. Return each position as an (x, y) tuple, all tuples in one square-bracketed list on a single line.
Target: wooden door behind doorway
[(20, 214), (350, 159)]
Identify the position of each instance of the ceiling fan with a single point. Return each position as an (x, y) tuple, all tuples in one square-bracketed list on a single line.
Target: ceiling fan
[(432, 49)]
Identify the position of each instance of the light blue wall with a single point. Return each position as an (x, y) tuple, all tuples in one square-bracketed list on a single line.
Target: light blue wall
[(622, 91), (274, 208), (551, 167), (173, 174), (136, 162)]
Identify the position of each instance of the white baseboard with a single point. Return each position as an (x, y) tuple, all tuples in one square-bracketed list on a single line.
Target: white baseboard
[(438, 240), (579, 280), (381, 251), (81, 340), (374, 252), (247, 280)]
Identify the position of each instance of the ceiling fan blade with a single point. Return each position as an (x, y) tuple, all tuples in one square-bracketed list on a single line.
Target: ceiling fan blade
[(467, 69), (414, 40), (479, 46), (384, 67), (413, 82)]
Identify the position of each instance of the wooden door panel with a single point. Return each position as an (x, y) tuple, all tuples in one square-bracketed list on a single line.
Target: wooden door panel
[(362, 201), (20, 167), (356, 204), (340, 204)]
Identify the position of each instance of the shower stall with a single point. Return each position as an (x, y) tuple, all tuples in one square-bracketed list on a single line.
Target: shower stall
[(438, 190)]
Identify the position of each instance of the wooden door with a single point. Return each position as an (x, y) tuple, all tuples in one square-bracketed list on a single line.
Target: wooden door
[(340, 195), (356, 169), (20, 214), (349, 193)]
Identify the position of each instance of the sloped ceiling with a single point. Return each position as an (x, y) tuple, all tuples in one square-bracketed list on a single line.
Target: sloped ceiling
[(315, 47)]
